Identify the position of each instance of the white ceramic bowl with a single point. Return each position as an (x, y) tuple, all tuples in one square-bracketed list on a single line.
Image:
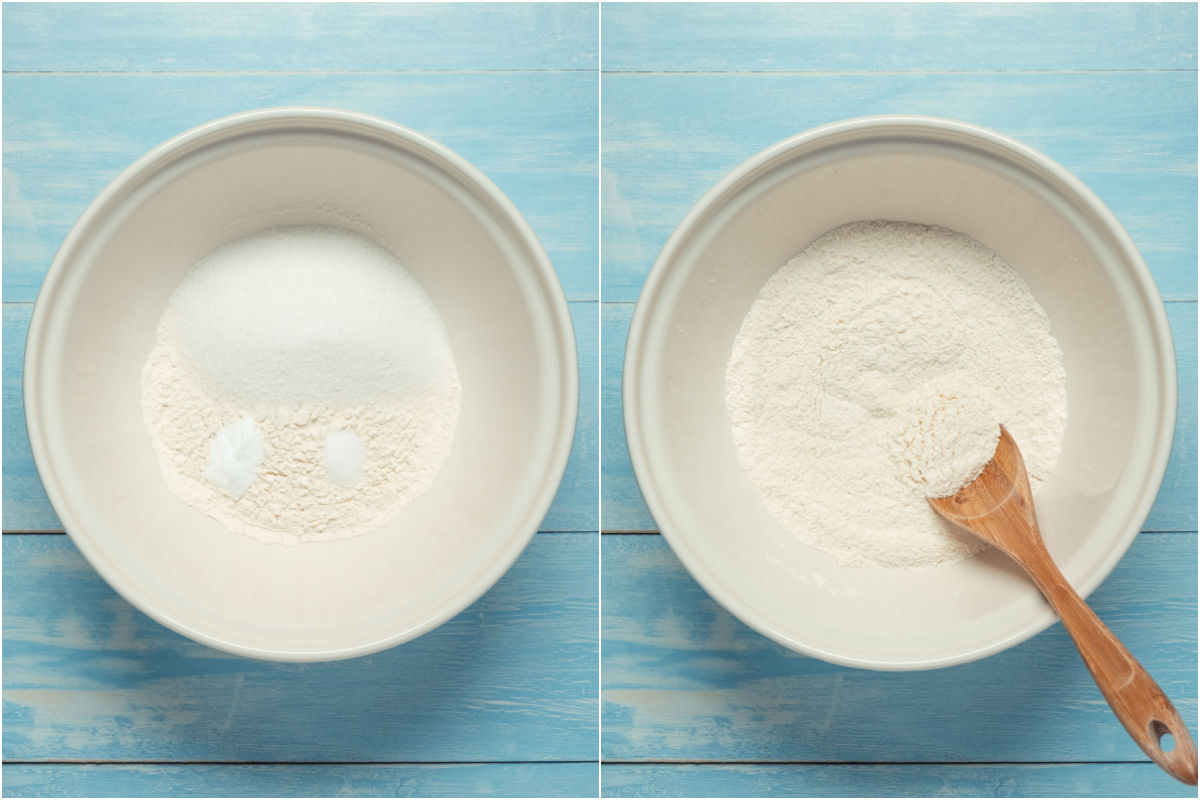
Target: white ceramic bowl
[(507, 323), (1081, 266)]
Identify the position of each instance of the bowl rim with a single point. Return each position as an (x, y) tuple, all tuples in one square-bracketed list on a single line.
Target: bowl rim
[(1027, 159), (337, 121)]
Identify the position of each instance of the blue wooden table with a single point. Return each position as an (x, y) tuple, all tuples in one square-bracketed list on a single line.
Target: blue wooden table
[(98, 700), (502, 700), (696, 704)]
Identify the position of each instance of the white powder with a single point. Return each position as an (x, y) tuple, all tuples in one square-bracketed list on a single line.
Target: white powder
[(946, 439), (306, 314), (872, 371), (235, 456), (344, 456), (311, 339)]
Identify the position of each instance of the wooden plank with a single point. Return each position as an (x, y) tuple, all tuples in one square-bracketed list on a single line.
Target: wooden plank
[(547, 779), (1175, 506), (512, 678), (624, 509), (684, 680), (26, 507), (826, 37), (533, 133), (889, 780), (576, 507), (1131, 137), (303, 37)]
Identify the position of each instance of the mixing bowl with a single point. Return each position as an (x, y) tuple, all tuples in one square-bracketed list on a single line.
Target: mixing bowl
[(1082, 268), (507, 323)]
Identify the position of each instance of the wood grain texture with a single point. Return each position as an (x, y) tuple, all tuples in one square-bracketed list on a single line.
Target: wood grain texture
[(511, 683), (1130, 136), (689, 92), (997, 506), (825, 37), (512, 678), (622, 507), (887, 780), (26, 507), (534, 134), (685, 680), (303, 37), (625, 510), (543, 779), (576, 506)]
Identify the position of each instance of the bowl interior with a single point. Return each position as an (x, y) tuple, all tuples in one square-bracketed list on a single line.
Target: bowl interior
[(1089, 509), (506, 322)]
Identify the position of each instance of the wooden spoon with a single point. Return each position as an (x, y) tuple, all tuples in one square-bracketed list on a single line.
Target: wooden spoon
[(997, 506)]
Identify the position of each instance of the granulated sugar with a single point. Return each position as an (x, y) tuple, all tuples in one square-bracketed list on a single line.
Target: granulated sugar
[(301, 386), (872, 371), (306, 314)]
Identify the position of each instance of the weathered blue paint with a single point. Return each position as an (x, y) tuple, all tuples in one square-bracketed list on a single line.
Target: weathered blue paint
[(533, 134), (689, 92), (299, 37), (888, 780), (506, 694), (1130, 136), (1107, 90), (909, 37), (87, 677), (539, 779), (684, 680)]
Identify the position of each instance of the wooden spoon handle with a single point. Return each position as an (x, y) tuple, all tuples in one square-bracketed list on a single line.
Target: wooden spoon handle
[(1131, 693)]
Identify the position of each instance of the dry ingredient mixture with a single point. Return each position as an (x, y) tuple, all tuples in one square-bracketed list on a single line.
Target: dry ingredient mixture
[(872, 371), (301, 386)]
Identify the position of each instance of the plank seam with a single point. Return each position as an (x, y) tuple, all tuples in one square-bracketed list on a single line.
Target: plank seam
[(572, 531), (60, 532), (202, 73), (590, 301), (872, 72), (152, 762), (1179, 300), (655, 532), (305, 72), (604, 762), (700, 763)]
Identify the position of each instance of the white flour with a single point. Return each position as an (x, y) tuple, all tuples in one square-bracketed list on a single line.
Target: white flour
[(320, 347), (873, 370), (945, 439)]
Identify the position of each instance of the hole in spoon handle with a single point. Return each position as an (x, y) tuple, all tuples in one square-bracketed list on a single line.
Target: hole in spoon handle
[(1139, 703), (1175, 751)]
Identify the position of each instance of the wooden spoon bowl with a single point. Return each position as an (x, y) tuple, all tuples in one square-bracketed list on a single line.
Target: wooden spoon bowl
[(998, 507)]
